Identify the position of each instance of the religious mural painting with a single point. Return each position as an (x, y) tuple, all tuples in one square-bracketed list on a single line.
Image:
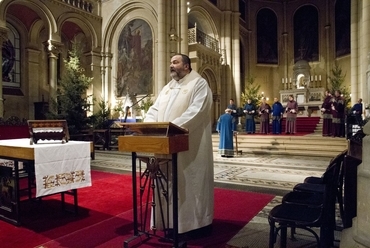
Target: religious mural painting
[(135, 59)]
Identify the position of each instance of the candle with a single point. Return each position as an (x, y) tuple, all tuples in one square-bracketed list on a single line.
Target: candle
[(286, 80), (282, 80), (311, 78), (319, 77), (315, 77), (290, 79)]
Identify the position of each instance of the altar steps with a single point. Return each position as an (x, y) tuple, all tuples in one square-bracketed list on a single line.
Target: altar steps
[(294, 145), (304, 125)]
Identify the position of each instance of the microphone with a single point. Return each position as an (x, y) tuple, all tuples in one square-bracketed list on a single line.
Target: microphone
[(139, 100), (128, 107)]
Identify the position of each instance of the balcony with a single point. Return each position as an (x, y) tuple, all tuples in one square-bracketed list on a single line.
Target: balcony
[(81, 4), (195, 36)]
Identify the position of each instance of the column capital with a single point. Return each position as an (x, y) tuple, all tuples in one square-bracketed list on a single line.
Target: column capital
[(53, 47)]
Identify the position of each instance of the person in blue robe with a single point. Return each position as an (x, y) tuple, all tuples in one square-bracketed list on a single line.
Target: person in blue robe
[(250, 112), (277, 115), (226, 129)]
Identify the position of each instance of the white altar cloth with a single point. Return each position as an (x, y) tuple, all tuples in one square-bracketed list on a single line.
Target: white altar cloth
[(58, 167)]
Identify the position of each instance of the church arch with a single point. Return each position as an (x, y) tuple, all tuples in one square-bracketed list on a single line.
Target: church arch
[(42, 11), (120, 18), (210, 76), (86, 27), (125, 14), (203, 21)]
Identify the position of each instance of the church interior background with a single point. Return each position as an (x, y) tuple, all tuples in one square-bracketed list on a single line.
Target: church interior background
[(287, 46)]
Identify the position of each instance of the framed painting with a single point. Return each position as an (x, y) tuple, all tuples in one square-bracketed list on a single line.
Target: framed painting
[(135, 59)]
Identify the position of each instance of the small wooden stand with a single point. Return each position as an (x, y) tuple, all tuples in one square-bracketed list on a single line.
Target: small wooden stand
[(236, 145), (48, 130)]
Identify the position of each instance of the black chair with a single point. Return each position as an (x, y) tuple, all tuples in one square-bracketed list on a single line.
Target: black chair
[(307, 216), (311, 191), (316, 184)]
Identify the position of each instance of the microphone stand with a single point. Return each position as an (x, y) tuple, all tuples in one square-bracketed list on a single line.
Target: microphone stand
[(128, 107)]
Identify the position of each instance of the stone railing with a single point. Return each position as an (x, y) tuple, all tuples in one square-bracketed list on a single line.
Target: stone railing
[(81, 4)]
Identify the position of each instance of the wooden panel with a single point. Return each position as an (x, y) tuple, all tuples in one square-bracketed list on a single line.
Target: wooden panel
[(153, 144), (17, 152)]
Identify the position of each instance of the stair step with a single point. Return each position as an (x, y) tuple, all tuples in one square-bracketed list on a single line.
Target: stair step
[(307, 145)]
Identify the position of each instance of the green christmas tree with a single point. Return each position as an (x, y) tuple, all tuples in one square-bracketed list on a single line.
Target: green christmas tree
[(337, 83), (72, 103), (251, 92)]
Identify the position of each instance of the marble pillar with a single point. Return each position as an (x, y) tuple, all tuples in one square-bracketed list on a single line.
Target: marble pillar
[(53, 50), (358, 235)]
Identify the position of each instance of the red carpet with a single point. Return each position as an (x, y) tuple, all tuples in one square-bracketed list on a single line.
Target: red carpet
[(105, 218)]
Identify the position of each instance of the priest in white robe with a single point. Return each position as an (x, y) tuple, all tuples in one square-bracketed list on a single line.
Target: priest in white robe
[(186, 101)]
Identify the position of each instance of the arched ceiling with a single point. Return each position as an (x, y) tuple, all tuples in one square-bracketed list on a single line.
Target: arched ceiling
[(203, 24), (26, 15), (71, 29)]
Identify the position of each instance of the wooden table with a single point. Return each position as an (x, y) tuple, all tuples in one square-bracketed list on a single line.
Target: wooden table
[(57, 168)]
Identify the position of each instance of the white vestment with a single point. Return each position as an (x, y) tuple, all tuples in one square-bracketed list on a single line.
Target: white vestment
[(190, 109)]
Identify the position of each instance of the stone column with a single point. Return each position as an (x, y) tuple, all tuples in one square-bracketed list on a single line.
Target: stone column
[(106, 74), (3, 37), (53, 50), (329, 42), (227, 46), (162, 60), (358, 235), (94, 58), (184, 46), (236, 55), (33, 78), (355, 77), (364, 51)]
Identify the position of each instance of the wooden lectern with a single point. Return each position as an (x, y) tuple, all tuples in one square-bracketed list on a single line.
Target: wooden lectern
[(161, 138)]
